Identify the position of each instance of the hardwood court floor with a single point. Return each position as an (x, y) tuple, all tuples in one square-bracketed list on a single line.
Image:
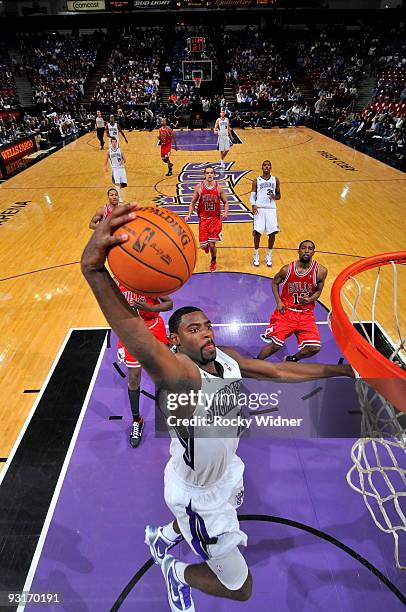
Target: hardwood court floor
[(347, 212)]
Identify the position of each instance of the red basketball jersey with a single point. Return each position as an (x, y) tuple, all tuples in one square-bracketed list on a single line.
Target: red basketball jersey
[(108, 209), (209, 201), (132, 297), (165, 137), (299, 285)]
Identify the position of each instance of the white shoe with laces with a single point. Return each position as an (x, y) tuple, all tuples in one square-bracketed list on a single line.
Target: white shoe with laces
[(179, 593), (158, 543), (255, 260), (268, 260)]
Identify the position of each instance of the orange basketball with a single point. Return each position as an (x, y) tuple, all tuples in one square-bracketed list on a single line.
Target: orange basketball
[(159, 256)]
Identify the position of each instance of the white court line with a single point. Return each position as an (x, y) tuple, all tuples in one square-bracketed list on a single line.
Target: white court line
[(54, 500), (33, 409)]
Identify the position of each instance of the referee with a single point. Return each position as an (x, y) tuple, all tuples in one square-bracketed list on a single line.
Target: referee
[(100, 128)]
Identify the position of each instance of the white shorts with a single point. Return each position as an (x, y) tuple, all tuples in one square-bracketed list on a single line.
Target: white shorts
[(223, 143), (119, 176), (207, 519), (266, 221)]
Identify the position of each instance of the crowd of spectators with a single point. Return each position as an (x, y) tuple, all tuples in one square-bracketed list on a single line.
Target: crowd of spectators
[(8, 91), (333, 63), (133, 72), (387, 54), (256, 70), (57, 66), (377, 127), (48, 128)]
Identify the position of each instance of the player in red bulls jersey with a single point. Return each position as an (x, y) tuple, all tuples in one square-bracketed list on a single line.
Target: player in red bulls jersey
[(104, 211), (302, 283), (148, 308), (208, 195), (165, 138)]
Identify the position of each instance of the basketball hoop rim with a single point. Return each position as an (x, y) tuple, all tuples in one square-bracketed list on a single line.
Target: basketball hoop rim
[(364, 357)]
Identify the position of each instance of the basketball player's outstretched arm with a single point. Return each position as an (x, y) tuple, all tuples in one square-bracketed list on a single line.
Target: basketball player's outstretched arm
[(277, 195), (253, 197), (175, 373), (277, 279), (97, 217), (175, 144), (285, 371), (122, 133), (165, 304), (223, 198), (106, 161), (195, 199)]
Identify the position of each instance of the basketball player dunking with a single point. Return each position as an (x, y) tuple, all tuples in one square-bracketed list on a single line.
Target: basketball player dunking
[(265, 191), (165, 138), (208, 195), (148, 309), (117, 160), (302, 283), (222, 128), (203, 479), (113, 129)]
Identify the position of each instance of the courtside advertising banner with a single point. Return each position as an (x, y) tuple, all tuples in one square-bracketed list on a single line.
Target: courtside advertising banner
[(87, 5)]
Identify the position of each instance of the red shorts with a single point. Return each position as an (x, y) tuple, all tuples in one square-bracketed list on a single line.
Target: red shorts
[(157, 328), (300, 323), (166, 150), (210, 230)]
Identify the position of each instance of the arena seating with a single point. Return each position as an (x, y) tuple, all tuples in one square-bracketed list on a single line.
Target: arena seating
[(8, 91), (133, 72), (58, 66)]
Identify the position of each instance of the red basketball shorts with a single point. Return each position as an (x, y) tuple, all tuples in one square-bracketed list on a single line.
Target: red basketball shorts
[(300, 323), (210, 230), (157, 328), (165, 150)]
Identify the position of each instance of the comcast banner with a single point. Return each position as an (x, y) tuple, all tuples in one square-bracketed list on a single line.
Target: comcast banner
[(87, 5)]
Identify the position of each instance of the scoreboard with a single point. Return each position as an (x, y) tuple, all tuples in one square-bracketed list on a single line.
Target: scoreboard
[(196, 44)]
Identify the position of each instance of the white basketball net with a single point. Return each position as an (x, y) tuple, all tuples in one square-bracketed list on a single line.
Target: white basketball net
[(379, 456)]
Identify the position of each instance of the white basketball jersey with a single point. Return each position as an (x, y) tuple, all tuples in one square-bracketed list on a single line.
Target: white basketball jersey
[(116, 158), (202, 458), (264, 188), (112, 130), (223, 126)]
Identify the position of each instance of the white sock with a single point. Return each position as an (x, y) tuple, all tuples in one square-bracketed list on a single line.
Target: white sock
[(256, 252), (180, 568), (270, 253), (169, 533)]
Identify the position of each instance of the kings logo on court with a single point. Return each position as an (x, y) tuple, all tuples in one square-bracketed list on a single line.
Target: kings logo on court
[(194, 173)]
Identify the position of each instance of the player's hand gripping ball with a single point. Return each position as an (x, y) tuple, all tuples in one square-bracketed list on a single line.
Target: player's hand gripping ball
[(159, 255)]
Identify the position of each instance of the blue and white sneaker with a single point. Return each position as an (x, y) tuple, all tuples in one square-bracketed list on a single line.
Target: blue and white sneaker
[(179, 593), (158, 544)]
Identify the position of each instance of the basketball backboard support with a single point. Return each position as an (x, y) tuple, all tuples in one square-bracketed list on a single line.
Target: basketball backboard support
[(196, 68)]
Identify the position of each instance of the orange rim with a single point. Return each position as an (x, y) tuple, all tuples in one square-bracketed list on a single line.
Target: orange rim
[(364, 357)]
